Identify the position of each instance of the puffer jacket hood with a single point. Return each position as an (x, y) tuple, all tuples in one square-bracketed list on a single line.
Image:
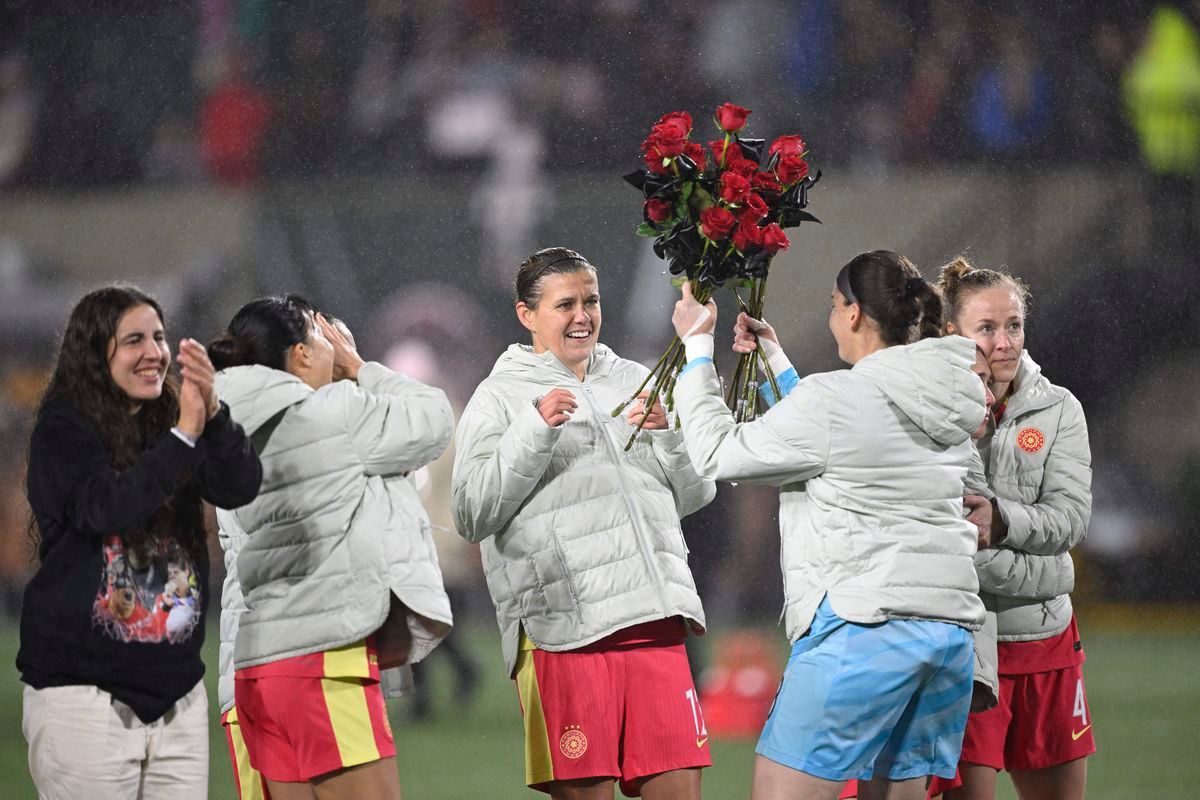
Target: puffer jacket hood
[(260, 393), (927, 382)]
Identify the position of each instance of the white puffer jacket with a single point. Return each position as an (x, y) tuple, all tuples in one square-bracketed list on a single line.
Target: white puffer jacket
[(872, 463), (579, 538), (1038, 463), (336, 529)]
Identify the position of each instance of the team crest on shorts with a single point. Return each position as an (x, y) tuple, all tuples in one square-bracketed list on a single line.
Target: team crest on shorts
[(1030, 440), (573, 742)]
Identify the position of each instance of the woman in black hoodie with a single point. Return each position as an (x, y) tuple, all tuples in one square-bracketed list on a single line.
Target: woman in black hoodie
[(121, 456)]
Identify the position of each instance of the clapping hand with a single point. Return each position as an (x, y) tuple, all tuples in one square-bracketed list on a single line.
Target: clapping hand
[(197, 397)]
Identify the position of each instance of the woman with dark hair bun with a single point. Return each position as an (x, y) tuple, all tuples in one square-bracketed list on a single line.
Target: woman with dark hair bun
[(112, 624), (879, 585), (582, 548), (329, 598)]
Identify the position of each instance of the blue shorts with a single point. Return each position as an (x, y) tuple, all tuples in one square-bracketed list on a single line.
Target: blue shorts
[(889, 699)]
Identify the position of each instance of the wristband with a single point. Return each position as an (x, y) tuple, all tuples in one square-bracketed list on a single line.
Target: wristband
[(698, 345)]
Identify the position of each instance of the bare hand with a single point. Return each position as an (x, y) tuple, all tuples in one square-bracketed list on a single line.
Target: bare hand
[(557, 407), (748, 330), (197, 397), (346, 360), (689, 317), (655, 421), (980, 515)]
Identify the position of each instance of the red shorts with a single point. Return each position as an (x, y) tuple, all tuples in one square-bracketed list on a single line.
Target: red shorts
[(626, 711), (246, 779), (298, 728), (1042, 720)]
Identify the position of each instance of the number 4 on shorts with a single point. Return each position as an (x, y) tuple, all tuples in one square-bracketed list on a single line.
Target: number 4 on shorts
[(1080, 709)]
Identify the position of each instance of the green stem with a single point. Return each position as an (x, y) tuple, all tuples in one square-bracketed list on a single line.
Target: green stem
[(671, 349), (654, 394)]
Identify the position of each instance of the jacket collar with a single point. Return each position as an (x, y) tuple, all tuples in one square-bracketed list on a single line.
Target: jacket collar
[(519, 359), (1034, 392)]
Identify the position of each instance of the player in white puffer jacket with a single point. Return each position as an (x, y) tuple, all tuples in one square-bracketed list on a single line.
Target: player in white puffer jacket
[(878, 576)]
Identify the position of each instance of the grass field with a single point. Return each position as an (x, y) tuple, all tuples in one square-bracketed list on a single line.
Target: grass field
[(1144, 696)]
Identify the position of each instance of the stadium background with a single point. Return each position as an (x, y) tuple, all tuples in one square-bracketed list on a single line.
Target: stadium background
[(394, 161)]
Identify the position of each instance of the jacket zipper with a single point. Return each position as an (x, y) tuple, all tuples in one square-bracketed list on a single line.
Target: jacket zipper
[(647, 551)]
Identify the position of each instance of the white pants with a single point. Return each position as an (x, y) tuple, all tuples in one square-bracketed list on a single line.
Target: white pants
[(84, 744)]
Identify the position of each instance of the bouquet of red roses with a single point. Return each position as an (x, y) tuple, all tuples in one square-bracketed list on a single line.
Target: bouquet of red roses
[(717, 214)]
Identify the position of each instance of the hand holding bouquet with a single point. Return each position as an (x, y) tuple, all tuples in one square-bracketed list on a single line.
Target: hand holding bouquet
[(717, 214)]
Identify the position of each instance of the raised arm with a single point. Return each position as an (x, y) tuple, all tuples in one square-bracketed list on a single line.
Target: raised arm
[(396, 424), (789, 443), (497, 463)]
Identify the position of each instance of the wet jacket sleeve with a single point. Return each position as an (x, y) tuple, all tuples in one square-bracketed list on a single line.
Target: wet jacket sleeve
[(691, 491), (1058, 520), (976, 482), (1011, 573), (71, 479), (497, 464), (229, 473), (789, 443), (396, 424)]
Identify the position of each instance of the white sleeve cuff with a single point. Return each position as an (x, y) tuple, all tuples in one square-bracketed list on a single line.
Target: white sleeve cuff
[(776, 358), (699, 345), (183, 437)]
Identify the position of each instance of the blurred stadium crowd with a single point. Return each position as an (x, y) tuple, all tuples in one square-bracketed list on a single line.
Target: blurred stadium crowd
[(245, 90), (254, 94)]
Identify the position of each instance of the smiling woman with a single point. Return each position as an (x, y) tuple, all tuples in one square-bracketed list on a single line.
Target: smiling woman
[(584, 556), (112, 623)]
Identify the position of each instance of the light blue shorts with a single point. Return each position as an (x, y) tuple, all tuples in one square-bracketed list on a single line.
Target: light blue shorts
[(889, 699)]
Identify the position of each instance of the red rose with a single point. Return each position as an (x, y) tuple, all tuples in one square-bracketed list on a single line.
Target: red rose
[(658, 210), (721, 153), (742, 166), (753, 208), (747, 235), (680, 120), (654, 162), (787, 146), (766, 183), (734, 187), (715, 223), (791, 169), (731, 118), (667, 140), (774, 239), (695, 151)]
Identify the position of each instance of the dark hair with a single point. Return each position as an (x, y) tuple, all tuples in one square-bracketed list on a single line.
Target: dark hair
[(262, 332), (549, 261), (83, 376), (959, 280), (890, 290)]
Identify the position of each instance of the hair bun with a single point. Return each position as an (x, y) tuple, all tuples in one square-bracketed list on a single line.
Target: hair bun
[(226, 350), (912, 286)]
